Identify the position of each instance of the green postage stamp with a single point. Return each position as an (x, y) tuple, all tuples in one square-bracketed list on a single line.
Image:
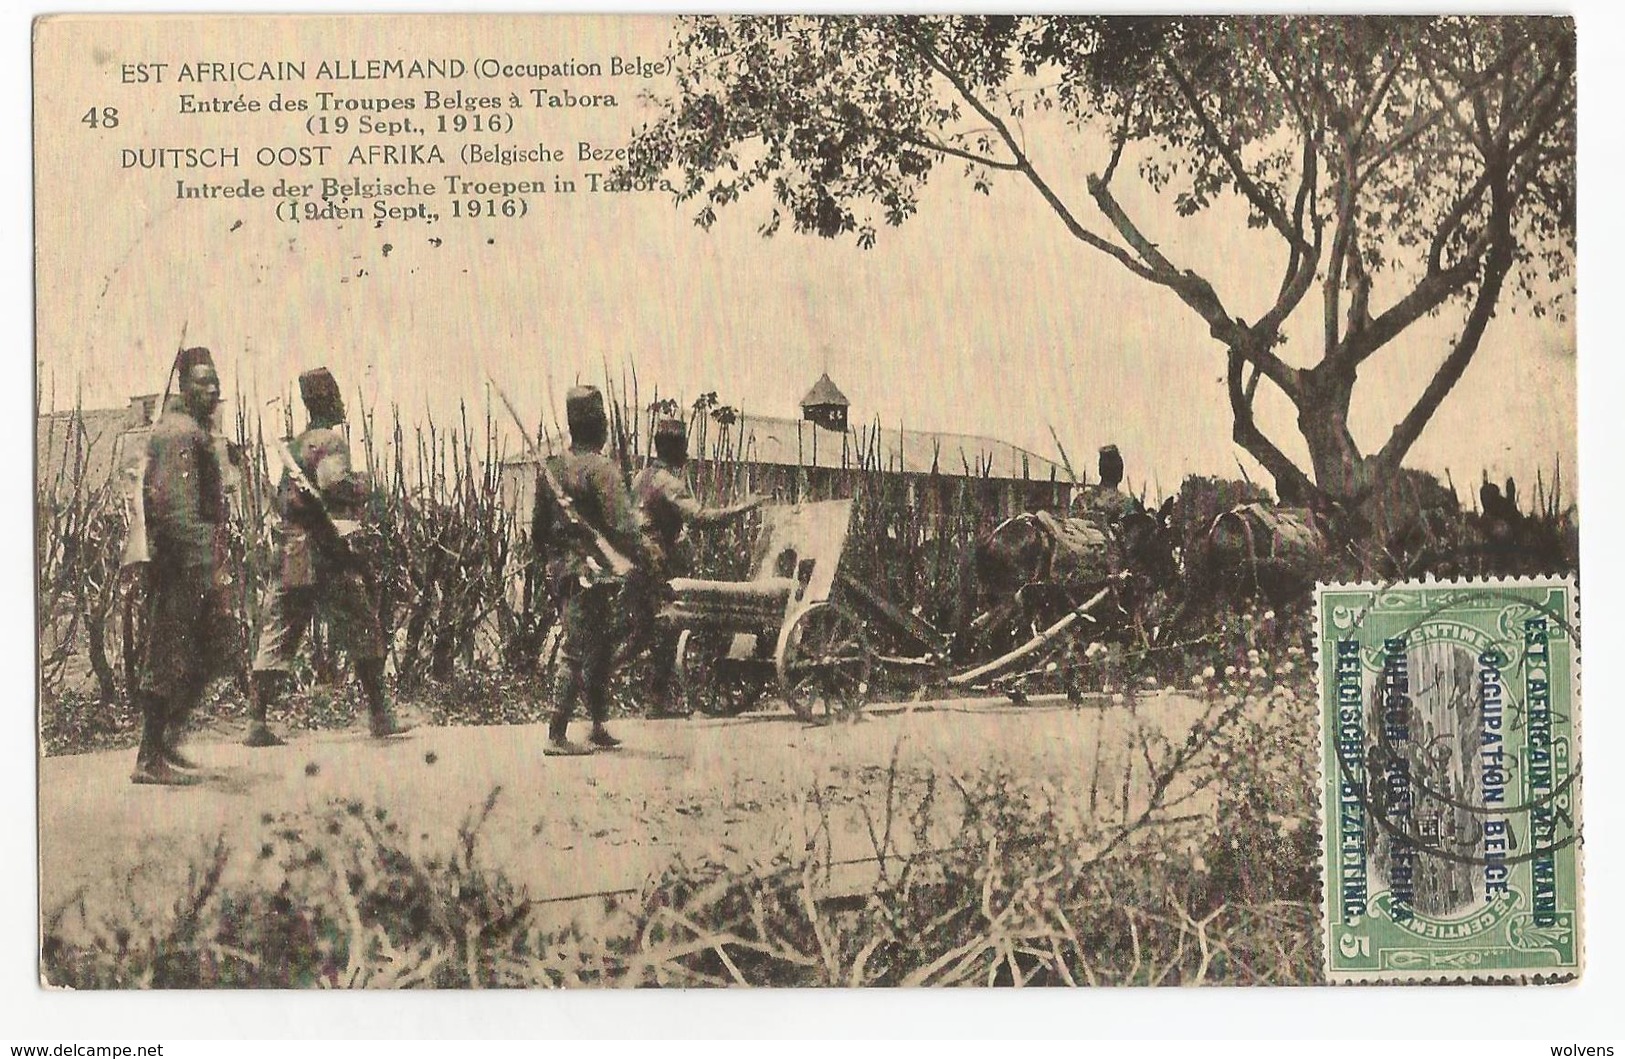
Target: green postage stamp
[(1450, 780)]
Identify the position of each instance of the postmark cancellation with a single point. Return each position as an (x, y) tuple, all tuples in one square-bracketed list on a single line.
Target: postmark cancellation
[(1450, 780)]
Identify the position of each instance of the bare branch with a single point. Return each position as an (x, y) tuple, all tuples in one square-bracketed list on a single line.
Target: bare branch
[(1119, 139), (1245, 431), (1450, 371), (1195, 292), (1431, 292), (1420, 124), (1023, 164), (1232, 159)]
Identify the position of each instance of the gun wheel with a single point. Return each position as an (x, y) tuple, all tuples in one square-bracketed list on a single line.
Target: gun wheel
[(824, 663)]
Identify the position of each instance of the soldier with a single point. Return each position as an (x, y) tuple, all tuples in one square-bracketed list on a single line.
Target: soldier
[(589, 602), (666, 506), (316, 567), (187, 616), (1105, 503)]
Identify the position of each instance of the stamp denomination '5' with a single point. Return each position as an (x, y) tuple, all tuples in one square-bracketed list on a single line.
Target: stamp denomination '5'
[(1451, 769)]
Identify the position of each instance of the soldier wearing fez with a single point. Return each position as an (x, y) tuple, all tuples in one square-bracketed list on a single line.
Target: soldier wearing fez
[(1105, 502), (591, 611), (188, 615), (317, 566), (666, 506)]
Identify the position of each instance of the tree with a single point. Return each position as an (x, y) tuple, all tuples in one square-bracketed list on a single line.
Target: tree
[(1428, 160)]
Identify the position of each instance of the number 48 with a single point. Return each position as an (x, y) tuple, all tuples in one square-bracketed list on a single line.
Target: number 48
[(101, 117)]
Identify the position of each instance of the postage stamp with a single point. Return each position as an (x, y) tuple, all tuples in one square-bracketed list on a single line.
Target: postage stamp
[(1450, 793)]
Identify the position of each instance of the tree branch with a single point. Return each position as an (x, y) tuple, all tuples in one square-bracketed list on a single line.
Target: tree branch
[(1119, 139), (1263, 203), (1245, 432), (1450, 371), (924, 49), (1368, 113), (1433, 291), (1420, 124), (1301, 267), (1332, 288)]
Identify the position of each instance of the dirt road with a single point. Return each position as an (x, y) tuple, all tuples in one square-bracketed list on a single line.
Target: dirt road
[(568, 826)]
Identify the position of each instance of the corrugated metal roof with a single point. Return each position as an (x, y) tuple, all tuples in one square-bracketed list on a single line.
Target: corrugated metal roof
[(793, 442), (798, 443)]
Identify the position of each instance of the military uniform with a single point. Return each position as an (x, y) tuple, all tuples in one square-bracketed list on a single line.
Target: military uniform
[(189, 620), (1103, 505), (591, 613), (188, 611), (665, 506), (311, 576)]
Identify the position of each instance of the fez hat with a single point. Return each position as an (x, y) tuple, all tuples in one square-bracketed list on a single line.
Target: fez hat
[(671, 439), (187, 359), (320, 392), (584, 411), (1111, 463)]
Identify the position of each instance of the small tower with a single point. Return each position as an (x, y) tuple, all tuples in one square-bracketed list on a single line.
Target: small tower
[(825, 405)]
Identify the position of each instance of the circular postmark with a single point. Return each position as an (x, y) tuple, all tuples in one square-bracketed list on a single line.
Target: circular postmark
[(1455, 762)]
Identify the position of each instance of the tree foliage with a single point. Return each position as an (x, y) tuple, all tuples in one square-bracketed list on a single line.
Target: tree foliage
[(1430, 159)]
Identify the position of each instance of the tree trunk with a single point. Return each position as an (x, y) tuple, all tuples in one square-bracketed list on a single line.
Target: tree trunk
[(1335, 461)]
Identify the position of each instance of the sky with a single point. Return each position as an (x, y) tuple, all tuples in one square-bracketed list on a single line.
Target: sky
[(979, 315)]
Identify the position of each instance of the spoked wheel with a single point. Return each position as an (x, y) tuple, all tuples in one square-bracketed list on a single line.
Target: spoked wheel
[(824, 662), (710, 682)]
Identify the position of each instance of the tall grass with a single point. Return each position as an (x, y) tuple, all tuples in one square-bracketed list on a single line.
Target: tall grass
[(460, 588)]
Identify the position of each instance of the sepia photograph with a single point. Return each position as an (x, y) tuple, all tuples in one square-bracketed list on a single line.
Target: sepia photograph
[(600, 501)]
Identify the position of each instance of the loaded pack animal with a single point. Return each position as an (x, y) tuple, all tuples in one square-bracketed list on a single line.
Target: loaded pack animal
[(1031, 570), (1403, 526)]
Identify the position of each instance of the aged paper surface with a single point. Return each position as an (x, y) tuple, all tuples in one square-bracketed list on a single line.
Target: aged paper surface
[(924, 591)]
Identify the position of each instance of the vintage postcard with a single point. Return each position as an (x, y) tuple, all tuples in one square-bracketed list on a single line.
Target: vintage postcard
[(541, 500)]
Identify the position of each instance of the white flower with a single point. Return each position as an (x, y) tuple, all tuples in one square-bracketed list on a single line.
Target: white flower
[(1252, 655), (1287, 667), (1294, 651), (1209, 673), (1256, 672), (1269, 615), (1198, 680), (1150, 682), (1229, 671)]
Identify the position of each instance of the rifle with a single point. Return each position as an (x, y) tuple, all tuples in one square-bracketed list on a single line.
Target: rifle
[(601, 554), (137, 548), (329, 538)]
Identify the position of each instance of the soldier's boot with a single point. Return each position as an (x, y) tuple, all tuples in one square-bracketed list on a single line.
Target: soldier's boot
[(380, 717), (267, 688), (184, 705), (151, 761), (565, 690), (598, 705)]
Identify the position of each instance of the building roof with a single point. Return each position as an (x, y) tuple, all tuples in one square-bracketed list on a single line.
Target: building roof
[(794, 442), (81, 448), (825, 391), (798, 443)]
